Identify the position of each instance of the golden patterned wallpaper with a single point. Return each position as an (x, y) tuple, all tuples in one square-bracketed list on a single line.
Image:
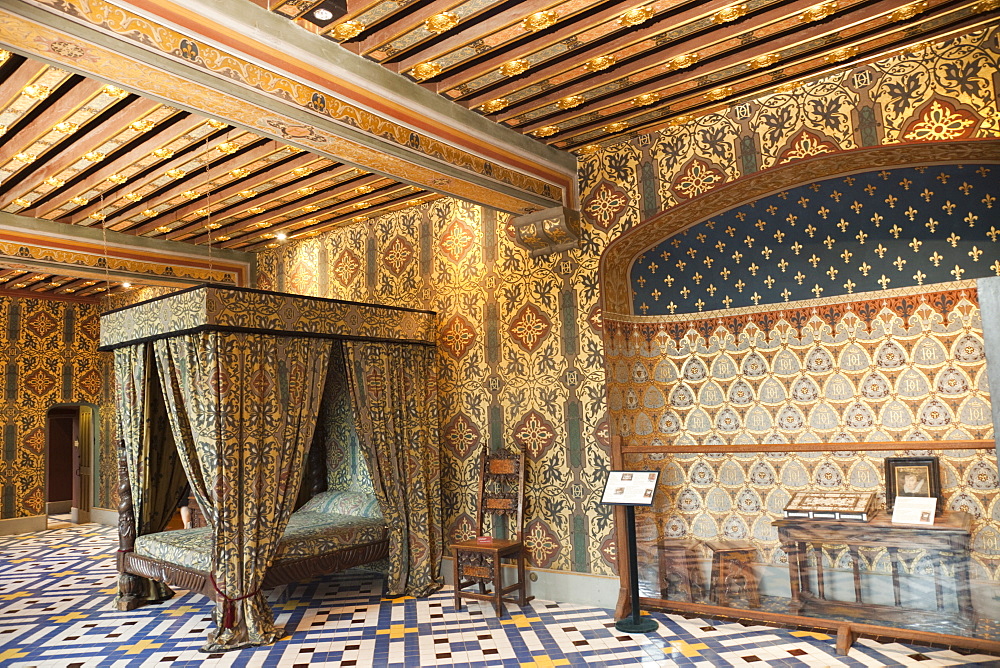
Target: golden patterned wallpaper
[(520, 338), (49, 356)]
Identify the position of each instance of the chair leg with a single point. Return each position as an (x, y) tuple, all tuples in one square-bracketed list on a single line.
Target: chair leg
[(458, 585), (498, 586), (522, 598)]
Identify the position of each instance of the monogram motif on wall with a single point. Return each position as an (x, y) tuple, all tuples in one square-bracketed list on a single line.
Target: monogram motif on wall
[(884, 370)]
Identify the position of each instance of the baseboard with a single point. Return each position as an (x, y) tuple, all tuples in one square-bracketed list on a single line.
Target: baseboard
[(104, 516), (560, 586), (58, 507), (17, 525)]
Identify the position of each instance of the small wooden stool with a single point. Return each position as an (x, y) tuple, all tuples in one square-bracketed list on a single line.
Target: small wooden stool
[(733, 560), (680, 557)]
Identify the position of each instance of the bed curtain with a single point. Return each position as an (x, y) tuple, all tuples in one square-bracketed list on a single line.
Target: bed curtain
[(243, 408), (155, 475), (393, 388)]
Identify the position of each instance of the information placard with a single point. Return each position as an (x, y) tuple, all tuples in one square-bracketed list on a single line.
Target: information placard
[(914, 510), (630, 488)]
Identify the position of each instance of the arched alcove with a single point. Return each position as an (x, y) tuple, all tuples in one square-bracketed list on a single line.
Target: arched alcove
[(787, 332)]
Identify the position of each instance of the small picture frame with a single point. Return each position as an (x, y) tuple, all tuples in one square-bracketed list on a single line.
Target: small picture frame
[(913, 477)]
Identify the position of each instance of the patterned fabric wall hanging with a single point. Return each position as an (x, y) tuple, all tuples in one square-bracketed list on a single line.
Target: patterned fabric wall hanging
[(520, 338)]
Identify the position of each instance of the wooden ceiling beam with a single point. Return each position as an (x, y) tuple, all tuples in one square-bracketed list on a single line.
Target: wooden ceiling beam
[(29, 294), (690, 97), (11, 87), (503, 21), (461, 75), (649, 32), (317, 177), (356, 9), (90, 138), (261, 148), (395, 29), (256, 180), (291, 225), (643, 66), (75, 284), (27, 281), (286, 209), (97, 289), (81, 216), (806, 67), (65, 104), (115, 165), (331, 223)]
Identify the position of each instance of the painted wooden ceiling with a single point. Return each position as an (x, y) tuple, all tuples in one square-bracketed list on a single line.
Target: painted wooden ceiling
[(26, 282), (575, 75), (578, 74)]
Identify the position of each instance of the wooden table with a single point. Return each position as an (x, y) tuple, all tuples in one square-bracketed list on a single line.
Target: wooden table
[(946, 542)]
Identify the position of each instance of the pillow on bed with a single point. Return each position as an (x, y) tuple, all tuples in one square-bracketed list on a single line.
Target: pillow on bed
[(342, 502)]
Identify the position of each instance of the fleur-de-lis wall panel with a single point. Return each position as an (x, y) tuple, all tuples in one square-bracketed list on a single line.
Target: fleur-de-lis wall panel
[(521, 339), (875, 230)]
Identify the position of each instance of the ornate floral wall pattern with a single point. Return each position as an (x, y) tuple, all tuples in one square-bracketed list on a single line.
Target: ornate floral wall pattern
[(520, 338), (49, 354)]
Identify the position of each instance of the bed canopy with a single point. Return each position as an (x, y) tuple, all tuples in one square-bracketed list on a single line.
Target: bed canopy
[(219, 388)]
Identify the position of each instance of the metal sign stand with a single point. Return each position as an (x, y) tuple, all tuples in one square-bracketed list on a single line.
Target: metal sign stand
[(631, 489)]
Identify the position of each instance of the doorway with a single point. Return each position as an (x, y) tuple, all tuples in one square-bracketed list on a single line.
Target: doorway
[(69, 446)]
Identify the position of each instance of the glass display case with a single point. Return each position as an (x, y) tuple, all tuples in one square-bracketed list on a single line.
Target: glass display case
[(717, 540)]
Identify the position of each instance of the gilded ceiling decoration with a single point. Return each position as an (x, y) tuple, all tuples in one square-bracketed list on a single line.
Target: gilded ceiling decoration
[(578, 73), (88, 154), (25, 282)]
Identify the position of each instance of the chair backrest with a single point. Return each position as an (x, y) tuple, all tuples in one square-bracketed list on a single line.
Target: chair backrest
[(501, 490)]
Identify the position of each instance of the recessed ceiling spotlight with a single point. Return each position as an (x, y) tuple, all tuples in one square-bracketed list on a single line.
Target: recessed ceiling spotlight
[(126, 285), (326, 12), (280, 236)]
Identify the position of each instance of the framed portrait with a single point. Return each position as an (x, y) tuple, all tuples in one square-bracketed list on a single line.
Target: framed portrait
[(912, 476)]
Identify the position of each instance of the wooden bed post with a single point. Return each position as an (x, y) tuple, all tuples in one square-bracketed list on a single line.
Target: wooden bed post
[(130, 587), (316, 464)]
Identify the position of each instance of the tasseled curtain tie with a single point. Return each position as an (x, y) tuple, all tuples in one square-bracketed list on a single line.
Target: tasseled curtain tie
[(228, 609)]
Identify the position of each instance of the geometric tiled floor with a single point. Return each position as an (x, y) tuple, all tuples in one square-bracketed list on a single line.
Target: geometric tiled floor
[(56, 591)]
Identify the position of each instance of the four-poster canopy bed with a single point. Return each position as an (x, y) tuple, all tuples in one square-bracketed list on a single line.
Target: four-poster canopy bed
[(221, 389)]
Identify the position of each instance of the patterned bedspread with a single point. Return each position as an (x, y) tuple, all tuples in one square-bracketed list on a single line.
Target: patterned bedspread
[(308, 534)]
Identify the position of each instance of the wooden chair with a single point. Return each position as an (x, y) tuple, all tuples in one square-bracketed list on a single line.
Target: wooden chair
[(479, 560)]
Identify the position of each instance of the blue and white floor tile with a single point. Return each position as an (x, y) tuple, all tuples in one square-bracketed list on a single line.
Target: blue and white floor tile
[(56, 611)]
